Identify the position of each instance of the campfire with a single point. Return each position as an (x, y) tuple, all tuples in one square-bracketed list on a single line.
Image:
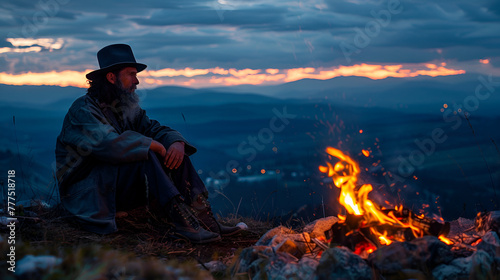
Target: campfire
[(371, 241), (367, 226)]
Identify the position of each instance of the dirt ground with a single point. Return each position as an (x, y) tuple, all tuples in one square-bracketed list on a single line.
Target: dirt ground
[(140, 233)]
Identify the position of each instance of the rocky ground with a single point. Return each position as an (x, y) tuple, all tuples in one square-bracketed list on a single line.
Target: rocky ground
[(144, 248), (51, 247)]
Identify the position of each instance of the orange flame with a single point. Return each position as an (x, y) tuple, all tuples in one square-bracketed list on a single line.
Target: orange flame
[(474, 243), (366, 153), (364, 247), (446, 240), (355, 199)]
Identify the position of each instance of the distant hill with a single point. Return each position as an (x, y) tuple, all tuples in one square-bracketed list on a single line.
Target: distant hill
[(352, 83), (60, 98), (175, 97), (36, 95), (415, 95), (420, 94)]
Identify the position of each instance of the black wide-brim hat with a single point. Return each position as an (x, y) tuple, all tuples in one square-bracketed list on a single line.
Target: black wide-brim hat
[(114, 57)]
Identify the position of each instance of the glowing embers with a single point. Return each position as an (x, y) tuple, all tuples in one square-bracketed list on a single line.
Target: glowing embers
[(367, 226)]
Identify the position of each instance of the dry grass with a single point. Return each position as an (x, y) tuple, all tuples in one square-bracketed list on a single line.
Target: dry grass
[(142, 240)]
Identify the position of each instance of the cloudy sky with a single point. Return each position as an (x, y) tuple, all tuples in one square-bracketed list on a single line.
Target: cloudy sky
[(217, 43)]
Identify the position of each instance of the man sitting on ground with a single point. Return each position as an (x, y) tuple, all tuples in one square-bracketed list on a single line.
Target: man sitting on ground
[(111, 157)]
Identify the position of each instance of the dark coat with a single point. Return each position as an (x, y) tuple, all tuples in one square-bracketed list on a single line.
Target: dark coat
[(95, 139)]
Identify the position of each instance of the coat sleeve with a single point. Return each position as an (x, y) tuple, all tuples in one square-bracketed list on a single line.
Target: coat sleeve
[(89, 132), (163, 134)]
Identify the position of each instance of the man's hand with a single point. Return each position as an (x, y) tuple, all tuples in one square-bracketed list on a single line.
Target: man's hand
[(175, 155), (158, 148)]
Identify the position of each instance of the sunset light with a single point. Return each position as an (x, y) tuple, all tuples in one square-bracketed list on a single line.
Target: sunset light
[(25, 45), (368, 128), (23, 50), (229, 77), (47, 43), (53, 78)]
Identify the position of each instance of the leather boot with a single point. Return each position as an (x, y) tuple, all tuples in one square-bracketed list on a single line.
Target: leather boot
[(207, 219), (186, 224)]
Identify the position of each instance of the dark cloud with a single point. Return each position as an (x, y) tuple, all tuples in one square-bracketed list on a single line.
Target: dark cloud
[(256, 16), (462, 53), (432, 34), (494, 7), (253, 34)]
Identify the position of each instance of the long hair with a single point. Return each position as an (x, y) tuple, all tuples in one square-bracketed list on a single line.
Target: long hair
[(104, 91), (124, 104)]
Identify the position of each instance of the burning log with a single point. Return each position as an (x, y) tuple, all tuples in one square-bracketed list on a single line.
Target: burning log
[(486, 221), (367, 225), (352, 230)]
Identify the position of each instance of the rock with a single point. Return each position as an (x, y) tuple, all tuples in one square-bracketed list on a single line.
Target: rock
[(261, 262), (465, 223), (30, 203), (478, 266), (281, 268), (422, 254), (250, 255), (268, 236), (215, 267), (317, 228), (7, 220), (242, 225), (341, 263), (288, 246), (460, 225), (490, 243), (33, 267), (298, 238), (295, 244), (307, 268)]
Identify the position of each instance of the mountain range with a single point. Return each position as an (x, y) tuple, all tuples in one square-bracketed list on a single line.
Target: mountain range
[(387, 116), (419, 94)]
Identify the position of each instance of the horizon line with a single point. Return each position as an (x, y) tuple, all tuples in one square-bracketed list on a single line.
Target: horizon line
[(220, 77)]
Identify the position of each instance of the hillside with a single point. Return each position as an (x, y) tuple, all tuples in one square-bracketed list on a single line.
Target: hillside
[(220, 124)]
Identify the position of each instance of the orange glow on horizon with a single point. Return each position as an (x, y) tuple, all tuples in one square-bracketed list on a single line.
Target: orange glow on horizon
[(484, 61), (273, 71), (63, 79), (217, 76)]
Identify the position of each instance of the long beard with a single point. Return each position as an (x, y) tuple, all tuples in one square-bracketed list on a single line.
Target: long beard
[(129, 99), (126, 102)]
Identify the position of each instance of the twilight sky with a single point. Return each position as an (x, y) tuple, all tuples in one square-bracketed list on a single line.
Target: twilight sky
[(216, 43)]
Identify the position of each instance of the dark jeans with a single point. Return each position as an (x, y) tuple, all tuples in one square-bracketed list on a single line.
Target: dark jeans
[(150, 182)]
